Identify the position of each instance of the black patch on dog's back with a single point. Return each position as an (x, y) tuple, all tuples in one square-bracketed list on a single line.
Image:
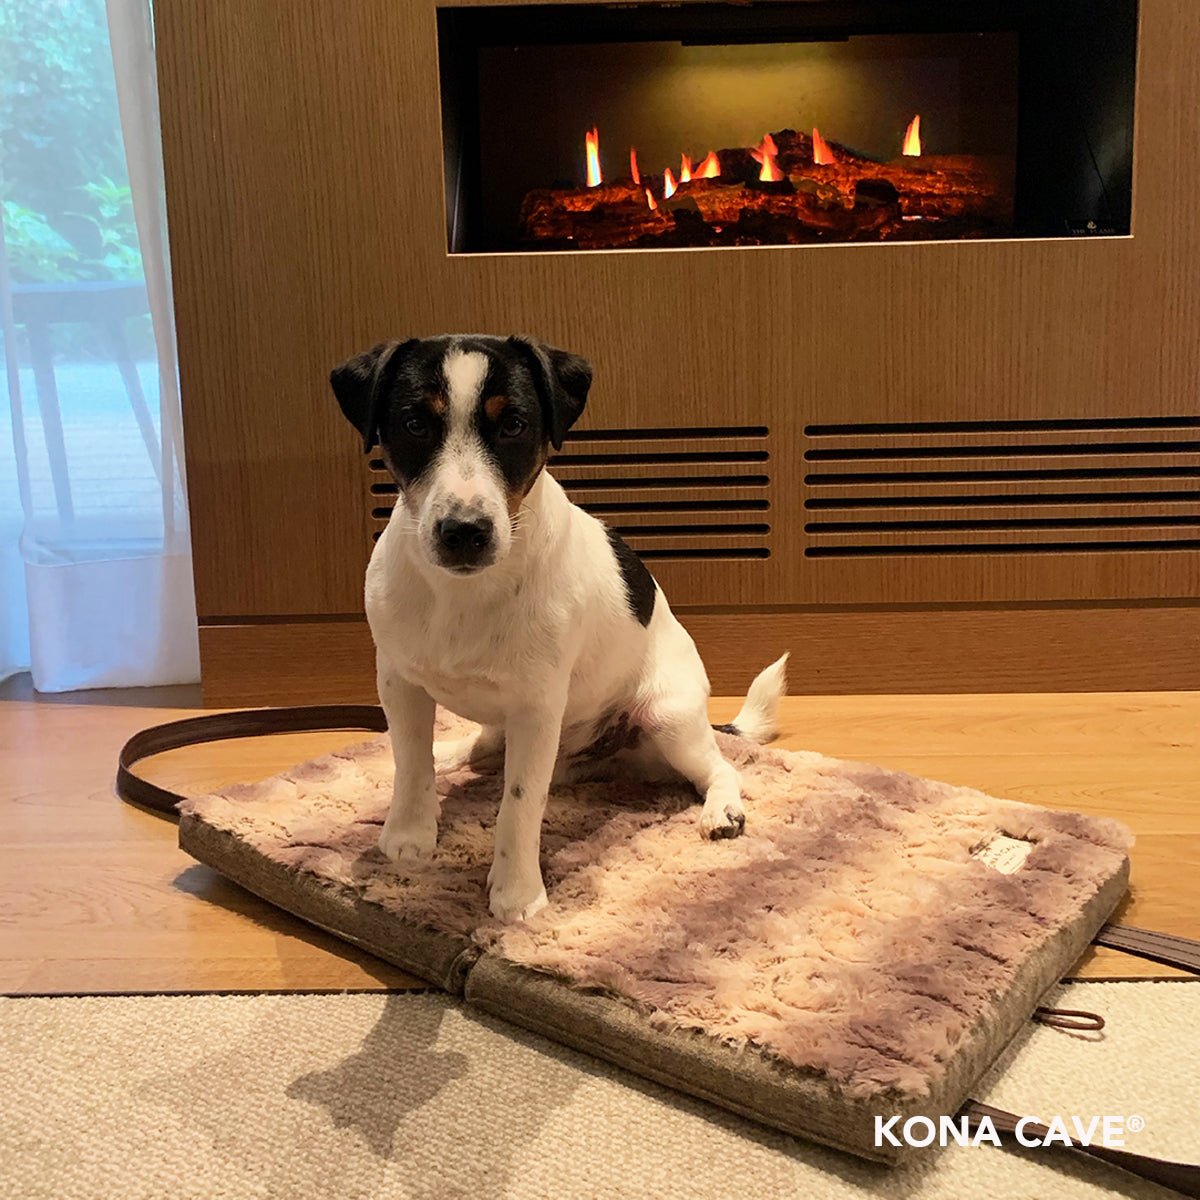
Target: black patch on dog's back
[(639, 583)]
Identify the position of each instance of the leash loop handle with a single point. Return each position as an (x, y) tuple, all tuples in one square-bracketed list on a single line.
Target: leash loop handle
[(1075, 1019), (219, 727)]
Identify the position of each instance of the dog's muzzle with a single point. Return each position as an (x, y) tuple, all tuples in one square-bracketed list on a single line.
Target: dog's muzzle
[(465, 544)]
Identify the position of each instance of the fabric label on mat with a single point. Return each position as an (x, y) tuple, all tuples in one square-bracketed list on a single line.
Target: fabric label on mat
[(1004, 854)]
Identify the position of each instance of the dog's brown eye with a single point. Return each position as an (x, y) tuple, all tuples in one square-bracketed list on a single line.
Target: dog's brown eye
[(512, 426), (416, 426)]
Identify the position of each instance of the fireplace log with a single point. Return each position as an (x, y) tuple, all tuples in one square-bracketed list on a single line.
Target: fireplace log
[(852, 199), (605, 217)]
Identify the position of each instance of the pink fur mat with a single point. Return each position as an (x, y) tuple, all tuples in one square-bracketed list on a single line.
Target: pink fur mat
[(852, 931)]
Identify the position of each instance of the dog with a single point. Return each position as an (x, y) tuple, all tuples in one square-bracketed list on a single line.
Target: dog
[(491, 594)]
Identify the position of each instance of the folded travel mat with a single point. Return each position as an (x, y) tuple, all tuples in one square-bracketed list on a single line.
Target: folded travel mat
[(868, 947)]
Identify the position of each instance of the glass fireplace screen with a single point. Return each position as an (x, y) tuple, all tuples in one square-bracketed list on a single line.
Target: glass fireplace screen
[(623, 127)]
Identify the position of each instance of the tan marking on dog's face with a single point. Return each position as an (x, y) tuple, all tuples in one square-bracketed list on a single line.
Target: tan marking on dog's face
[(517, 495), (438, 404), (494, 406)]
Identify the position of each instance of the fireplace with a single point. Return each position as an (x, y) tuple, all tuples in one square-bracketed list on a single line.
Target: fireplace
[(590, 127)]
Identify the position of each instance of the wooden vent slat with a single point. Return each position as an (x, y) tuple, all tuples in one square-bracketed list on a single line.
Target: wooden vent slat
[(998, 535), (574, 450), (665, 458), (704, 520), (648, 473), (604, 501), (676, 433), (1049, 547), (988, 443), (1022, 467), (1006, 451), (714, 552), (685, 541), (1003, 487), (673, 493), (900, 473), (615, 509), (1064, 514), (1024, 425), (1004, 492)]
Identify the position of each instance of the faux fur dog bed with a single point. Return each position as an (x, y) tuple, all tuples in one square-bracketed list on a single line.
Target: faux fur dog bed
[(867, 947)]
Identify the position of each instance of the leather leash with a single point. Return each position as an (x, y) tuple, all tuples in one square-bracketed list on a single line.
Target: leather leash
[(225, 726), (1183, 1178), (1170, 949)]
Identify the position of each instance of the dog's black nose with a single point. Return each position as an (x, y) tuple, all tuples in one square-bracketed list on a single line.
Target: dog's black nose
[(464, 542)]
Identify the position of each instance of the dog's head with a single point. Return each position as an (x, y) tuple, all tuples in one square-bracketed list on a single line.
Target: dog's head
[(465, 424)]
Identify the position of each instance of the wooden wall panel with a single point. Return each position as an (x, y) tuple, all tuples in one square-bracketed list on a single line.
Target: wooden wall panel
[(305, 193), (870, 653)]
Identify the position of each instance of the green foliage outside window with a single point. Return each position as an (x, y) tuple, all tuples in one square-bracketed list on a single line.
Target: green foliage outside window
[(63, 182)]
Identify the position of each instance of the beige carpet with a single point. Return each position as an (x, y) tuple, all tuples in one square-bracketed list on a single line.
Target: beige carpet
[(408, 1095)]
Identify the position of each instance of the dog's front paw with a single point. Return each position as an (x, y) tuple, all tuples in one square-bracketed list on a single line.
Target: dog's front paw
[(515, 899), (407, 841), (723, 819)]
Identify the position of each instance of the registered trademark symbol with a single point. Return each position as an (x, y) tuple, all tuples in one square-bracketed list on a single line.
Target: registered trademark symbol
[(1135, 1124)]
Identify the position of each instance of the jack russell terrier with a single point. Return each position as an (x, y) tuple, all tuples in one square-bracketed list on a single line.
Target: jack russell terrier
[(490, 593)]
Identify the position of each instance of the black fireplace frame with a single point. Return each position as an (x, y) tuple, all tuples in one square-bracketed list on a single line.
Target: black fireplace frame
[(1077, 82)]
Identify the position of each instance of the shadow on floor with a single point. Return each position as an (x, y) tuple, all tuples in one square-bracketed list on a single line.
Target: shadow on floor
[(449, 1123), (395, 1071)]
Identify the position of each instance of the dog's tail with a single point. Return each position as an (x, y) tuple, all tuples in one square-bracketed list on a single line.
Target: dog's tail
[(756, 720)]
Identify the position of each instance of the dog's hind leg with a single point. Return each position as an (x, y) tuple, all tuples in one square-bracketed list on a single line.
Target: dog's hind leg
[(483, 743), (688, 745)]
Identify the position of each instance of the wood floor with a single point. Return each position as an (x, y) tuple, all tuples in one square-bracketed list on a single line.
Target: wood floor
[(96, 897)]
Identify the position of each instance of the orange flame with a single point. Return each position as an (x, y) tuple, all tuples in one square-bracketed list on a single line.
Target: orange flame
[(633, 165), (591, 141), (709, 167), (765, 153), (668, 184), (912, 138), (822, 155), (685, 169), (650, 201)]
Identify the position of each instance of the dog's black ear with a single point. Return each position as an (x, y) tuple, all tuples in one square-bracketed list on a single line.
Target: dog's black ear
[(562, 380), (359, 383)]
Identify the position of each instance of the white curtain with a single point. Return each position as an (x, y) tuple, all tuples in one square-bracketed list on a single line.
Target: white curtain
[(95, 561)]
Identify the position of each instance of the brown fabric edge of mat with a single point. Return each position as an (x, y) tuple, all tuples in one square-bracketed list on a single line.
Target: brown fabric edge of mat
[(750, 1082), (746, 1081), (437, 958)]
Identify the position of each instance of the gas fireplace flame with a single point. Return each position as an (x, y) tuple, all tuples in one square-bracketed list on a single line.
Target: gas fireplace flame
[(591, 141), (912, 138), (822, 155), (765, 153)]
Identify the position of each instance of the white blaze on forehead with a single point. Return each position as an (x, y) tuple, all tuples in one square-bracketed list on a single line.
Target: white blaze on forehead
[(464, 372), (462, 474)]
